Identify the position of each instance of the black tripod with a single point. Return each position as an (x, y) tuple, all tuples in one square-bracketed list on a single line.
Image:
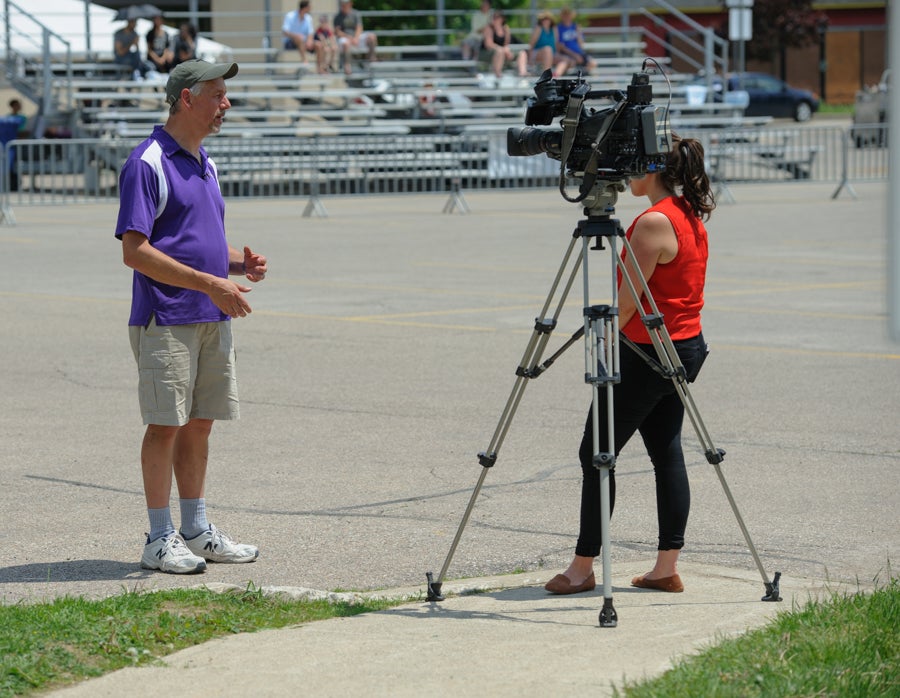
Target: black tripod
[(601, 343)]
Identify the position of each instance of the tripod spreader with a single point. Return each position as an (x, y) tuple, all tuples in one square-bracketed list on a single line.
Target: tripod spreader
[(538, 370), (542, 327)]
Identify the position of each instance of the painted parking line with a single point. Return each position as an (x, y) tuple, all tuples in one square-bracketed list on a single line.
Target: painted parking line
[(809, 352)]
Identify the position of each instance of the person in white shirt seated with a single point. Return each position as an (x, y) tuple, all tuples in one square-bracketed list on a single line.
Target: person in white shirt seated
[(299, 32)]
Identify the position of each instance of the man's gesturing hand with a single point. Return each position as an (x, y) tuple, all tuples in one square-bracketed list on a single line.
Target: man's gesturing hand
[(255, 266), (229, 297)]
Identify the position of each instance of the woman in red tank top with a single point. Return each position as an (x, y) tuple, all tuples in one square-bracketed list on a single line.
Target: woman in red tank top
[(670, 246)]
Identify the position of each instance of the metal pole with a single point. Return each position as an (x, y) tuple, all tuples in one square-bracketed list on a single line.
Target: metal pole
[(9, 58), (267, 27), (441, 24), (87, 26), (48, 75), (193, 11), (823, 61), (894, 167)]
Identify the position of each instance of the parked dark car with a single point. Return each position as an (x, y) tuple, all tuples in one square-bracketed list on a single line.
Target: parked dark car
[(768, 95)]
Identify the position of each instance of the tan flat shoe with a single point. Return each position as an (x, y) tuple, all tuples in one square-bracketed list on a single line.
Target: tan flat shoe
[(562, 585), (671, 584)]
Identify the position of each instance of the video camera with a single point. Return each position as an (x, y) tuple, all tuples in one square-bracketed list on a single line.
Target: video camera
[(630, 138)]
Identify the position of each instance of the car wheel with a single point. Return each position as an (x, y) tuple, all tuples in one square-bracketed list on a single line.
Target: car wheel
[(802, 112)]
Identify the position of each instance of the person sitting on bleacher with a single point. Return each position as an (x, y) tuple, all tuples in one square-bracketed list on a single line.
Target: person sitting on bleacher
[(125, 49), (543, 47), (328, 48), (185, 44), (497, 40), (299, 32), (471, 45), (571, 43), (159, 48), (348, 28)]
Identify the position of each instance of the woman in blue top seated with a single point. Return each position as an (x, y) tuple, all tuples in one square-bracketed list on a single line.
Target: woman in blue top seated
[(542, 47)]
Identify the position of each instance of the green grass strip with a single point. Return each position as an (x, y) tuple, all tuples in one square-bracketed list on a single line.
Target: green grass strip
[(845, 646), (49, 645)]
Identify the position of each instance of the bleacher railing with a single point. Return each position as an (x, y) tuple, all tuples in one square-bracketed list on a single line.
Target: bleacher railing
[(67, 171), (713, 49), (21, 28)]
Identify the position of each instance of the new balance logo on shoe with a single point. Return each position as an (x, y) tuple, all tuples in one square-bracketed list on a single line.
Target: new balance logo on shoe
[(170, 554), (216, 546)]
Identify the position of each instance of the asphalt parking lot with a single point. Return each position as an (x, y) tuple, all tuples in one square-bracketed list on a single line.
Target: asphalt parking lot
[(377, 361)]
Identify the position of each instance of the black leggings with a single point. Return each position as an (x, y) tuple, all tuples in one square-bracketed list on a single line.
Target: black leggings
[(643, 401)]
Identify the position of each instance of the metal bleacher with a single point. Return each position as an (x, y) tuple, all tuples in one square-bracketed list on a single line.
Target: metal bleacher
[(412, 87), (414, 90), (385, 96)]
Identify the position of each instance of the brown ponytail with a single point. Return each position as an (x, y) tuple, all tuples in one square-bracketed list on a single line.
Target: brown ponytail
[(685, 169)]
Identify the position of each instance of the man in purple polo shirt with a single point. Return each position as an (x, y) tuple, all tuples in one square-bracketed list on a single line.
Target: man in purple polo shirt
[(172, 227)]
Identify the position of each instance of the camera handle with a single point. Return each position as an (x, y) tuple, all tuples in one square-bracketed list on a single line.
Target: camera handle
[(601, 334)]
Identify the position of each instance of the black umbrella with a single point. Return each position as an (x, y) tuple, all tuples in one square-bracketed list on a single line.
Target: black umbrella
[(137, 12)]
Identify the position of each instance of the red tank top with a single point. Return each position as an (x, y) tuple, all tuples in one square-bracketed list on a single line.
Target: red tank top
[(676, 286)]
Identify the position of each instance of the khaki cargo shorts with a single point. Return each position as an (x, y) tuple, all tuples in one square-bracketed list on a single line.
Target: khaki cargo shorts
[(185, 372)]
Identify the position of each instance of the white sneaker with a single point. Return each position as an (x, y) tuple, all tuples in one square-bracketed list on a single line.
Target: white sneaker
[(169, 554), (216, 546)]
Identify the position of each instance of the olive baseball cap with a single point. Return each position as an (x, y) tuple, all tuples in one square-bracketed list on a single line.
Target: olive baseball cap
[(189, 73)]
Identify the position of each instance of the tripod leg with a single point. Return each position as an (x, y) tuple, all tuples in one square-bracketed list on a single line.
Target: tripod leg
[(603, 461), (456, 200), (602, 373), (528, 368), (434, 587), (673, 368)]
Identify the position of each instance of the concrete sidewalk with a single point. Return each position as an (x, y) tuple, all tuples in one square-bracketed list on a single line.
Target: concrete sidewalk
[(507, 637)]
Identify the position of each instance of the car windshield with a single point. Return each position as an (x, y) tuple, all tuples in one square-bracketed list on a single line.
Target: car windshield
[(762, 83)]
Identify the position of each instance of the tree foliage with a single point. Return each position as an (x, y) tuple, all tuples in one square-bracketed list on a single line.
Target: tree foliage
[(457, 17), (783, 23)]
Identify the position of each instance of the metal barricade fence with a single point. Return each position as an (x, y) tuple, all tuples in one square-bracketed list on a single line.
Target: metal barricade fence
[(66, 171), (773, 154), (867, 152), (6, 177), (72, 170)]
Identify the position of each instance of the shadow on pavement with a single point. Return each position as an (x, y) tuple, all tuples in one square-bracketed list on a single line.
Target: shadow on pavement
[(73, 571)]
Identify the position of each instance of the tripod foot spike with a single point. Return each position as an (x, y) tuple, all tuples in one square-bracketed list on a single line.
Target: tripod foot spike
[(434, 588), (773, 592), (608, 617)]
